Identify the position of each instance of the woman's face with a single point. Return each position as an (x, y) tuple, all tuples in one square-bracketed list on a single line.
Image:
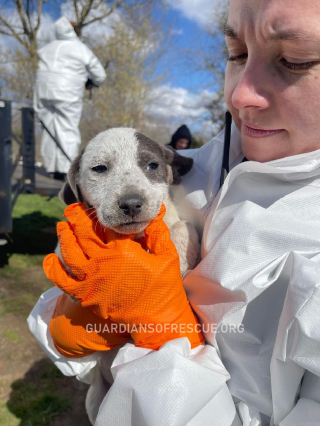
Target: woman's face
[(272, 85)]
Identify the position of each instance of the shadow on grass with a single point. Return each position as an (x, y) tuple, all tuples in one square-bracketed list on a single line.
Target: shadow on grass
[(44, 394), (35, 399), (33, 234)]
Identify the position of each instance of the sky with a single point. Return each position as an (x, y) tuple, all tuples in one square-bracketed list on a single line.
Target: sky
[(184, 92), (187, 89)]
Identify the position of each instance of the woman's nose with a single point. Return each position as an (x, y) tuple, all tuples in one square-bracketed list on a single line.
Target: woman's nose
[(251, 90)]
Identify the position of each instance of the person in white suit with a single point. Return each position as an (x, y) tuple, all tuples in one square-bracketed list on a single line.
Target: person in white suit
[(256, 290), (64, 67)]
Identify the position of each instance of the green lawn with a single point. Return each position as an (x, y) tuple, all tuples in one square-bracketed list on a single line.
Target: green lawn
[(33, 236), (32, 391)]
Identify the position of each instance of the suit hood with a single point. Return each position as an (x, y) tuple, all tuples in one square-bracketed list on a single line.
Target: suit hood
[(64, 30)]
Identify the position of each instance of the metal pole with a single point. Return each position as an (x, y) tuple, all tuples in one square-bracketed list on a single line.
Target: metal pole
[(5, 167), (55, 140), (29, 173)]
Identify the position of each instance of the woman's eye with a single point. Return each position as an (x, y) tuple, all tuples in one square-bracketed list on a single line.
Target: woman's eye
[(152, 166), (99, 169), (237, 58), (297, 66)]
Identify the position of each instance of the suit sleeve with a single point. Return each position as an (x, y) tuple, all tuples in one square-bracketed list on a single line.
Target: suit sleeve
[(95, 69)]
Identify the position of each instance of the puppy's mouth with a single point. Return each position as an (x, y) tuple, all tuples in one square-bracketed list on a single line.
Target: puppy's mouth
[(132, 227)]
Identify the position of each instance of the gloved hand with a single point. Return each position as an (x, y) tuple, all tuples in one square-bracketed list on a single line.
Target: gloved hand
[(77, 332), (89, 85), (123, 282)]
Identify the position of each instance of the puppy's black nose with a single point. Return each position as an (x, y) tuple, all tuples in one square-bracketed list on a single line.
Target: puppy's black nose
[(131, 204)]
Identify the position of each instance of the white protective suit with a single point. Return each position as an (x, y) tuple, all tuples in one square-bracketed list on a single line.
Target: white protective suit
[(258, 282), (64, 65)]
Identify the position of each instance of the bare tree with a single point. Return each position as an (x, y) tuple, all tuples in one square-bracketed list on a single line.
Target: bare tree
[(26, 29), (25, 23), (133, 52), (88, 12), (210, 58), (215, 63), (17, 75)]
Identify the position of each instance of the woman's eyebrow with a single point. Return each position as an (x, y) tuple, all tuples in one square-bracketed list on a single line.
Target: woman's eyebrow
[(293, 35), (297, 34), (230, 32)]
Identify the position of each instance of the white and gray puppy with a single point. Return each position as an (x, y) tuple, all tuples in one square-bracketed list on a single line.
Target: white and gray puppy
[(125, 176)]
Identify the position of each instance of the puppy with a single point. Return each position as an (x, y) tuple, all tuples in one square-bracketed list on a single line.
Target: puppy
[(125, 177)]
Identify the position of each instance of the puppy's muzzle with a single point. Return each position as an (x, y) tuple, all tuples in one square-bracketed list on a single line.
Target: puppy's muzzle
[(131, 204)]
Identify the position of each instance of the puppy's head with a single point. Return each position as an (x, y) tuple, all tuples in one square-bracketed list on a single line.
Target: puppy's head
[(124, 176)]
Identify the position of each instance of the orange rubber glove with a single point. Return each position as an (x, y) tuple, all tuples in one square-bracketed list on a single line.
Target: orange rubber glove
[(78, 332), (123, 282)]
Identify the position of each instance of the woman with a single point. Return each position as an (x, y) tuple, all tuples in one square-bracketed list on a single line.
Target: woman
[(256, 289)]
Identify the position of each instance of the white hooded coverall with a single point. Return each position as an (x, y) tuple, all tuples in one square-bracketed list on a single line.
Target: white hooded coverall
[(64, 65), (256, 293)]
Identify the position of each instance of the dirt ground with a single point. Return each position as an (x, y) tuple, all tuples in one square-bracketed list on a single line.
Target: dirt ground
[(26, 374)]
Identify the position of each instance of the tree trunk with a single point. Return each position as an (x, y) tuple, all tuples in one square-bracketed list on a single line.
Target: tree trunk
[(33, 52)]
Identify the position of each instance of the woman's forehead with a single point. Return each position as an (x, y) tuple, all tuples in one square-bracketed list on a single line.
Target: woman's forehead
[(276, 17)]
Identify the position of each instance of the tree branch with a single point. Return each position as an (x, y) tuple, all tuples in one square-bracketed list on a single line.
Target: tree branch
[(19, 6), (5, 33), (38, 15), (12, 33), (85, 11), (75, 4), (104, 15), (32, 33)]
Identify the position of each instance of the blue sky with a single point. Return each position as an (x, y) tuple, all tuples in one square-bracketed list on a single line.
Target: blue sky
[(185, 33), (189, 88), (189, 35)]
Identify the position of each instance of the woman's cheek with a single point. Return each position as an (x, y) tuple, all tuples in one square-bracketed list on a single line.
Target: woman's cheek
[(227, 86)]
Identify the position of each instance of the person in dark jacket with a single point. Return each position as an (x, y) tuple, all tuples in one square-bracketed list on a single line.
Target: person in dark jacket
[(181, 139)]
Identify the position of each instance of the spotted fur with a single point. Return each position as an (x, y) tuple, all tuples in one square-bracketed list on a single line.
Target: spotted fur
[(127, 157)]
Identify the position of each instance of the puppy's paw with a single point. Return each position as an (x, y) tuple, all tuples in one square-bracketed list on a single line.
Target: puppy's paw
[(186, 240)]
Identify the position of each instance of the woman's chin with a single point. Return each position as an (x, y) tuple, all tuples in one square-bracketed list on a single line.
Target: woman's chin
[(262, 151)]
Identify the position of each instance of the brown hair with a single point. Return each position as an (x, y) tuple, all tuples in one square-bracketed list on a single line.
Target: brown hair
[(74, 24)]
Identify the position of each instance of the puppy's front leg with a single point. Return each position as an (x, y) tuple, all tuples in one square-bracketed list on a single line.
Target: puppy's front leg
[(186, 240)]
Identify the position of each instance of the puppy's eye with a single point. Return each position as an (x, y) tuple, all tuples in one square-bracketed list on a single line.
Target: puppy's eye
[(152, 166), (99, 169)]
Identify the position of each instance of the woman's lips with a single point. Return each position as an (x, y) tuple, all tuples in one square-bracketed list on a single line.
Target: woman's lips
[(258, 133)]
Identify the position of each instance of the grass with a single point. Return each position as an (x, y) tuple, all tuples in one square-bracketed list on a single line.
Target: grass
[(20, 305), (41, 393), (40, 411), (33, 236), (37, 401), (11, 335), (7, 418)]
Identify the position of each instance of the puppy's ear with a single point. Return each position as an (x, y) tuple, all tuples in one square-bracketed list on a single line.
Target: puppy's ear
[(179, 165), (70, 192)]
